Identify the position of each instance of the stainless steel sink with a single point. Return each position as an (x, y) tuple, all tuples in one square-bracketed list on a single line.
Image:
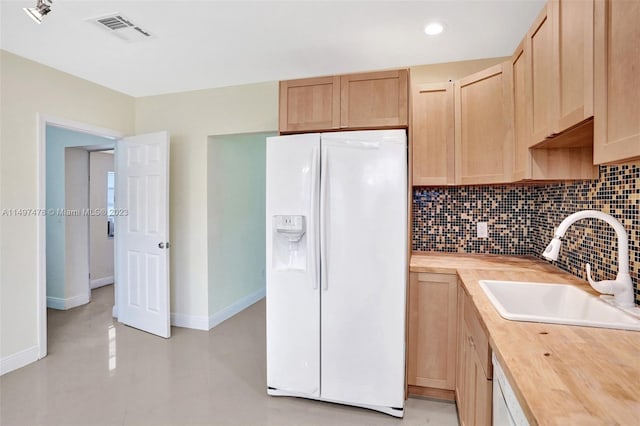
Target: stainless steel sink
[(556, 304)]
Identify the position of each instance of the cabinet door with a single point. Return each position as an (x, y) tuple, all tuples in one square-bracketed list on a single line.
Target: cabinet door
[(432, 330), (617, 77), (432, 137), (521, 123), (476, 395), (470, 374), (473, 387), (482, 392), (573, 62), (540, 47), (310, 104), (484, 121), (461, 355), (376, 99)]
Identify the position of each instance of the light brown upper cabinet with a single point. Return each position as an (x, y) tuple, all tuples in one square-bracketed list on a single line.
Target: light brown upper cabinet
[(521, 115), (310, 104), (572, 162), (560, 63), (573, 62), (540, 85), (483, 126), (432, 134), (617, 77), (355, 101), (375, 99)]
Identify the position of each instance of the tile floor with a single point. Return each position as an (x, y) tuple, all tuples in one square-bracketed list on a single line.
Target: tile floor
[(100, 372)]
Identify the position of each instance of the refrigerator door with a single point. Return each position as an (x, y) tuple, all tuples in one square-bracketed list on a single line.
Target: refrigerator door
[(293, 300), (363, 245)]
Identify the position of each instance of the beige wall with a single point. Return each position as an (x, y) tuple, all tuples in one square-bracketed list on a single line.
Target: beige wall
[(76, 228), (28, 88), (190, 117), (438, 73), (101, 246)]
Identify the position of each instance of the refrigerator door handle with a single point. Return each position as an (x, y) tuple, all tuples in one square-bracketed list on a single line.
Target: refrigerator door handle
[(324, 173), (313, 219)]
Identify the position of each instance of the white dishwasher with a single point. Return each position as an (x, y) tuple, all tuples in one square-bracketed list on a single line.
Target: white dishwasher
[(506, 408)]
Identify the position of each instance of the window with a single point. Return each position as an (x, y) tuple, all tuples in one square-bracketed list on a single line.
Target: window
[(111, 203)]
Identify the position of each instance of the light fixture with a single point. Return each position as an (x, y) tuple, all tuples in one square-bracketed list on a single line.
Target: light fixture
[(42, 8), (433, 28)]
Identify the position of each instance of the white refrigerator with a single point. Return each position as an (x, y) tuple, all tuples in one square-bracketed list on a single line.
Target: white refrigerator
[(336, 206)]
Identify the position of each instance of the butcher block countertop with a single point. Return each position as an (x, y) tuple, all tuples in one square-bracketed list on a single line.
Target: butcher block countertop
[(561, 374)]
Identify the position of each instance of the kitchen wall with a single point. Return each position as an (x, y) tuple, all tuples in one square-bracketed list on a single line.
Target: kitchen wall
[(445, 218), (437, 73), (236, 222), (29, 88), (190, 118), (521, 220)]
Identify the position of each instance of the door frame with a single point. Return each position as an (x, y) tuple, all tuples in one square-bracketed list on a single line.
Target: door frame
[(42, 120)]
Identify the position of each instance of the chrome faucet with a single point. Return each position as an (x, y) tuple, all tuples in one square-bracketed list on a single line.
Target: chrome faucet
[(621, 287)]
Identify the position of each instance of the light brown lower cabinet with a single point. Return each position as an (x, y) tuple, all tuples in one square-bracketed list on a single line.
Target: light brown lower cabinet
[(474, 370), (431, 357)]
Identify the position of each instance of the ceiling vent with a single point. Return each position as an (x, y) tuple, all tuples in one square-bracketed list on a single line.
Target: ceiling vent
[(121, 27)]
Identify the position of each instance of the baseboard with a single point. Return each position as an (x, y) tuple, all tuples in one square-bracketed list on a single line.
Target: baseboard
[(55, 303), (18, 360), (79, 300), (64, 304), (236, 307), (442, 394), (100, 282), (196, 322)]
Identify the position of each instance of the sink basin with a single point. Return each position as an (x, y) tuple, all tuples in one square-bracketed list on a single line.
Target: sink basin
[(556, 304)]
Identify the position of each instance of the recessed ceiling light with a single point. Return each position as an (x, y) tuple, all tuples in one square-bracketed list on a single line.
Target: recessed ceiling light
[(433, 28)]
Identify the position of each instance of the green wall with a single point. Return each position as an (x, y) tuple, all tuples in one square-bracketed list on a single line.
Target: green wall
[(236, 218)]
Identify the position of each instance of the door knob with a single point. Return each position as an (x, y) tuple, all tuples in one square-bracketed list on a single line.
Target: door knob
[(161, 245)]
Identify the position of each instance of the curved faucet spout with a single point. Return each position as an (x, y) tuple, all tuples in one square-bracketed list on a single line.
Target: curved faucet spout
[(621, 287)]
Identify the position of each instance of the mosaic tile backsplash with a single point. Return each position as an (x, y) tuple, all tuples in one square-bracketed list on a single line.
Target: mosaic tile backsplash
[(521, 220)]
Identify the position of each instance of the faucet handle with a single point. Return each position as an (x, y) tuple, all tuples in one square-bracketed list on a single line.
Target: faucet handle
[(605, 286)]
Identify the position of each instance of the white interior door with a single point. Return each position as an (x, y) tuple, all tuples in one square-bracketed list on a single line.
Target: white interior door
[(142, 232)]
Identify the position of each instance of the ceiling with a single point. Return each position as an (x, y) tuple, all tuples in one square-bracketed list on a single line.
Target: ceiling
[(205, 44)]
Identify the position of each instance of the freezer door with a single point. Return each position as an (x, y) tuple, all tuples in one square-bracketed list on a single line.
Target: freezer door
[(363, 244), (292, 270)]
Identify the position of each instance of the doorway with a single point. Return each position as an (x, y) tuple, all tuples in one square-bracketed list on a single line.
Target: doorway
[(73, 213), (101, 218), (141, 278), (56, 140)]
